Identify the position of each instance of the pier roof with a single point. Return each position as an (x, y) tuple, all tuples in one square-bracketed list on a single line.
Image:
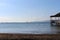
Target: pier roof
[(57, 15)]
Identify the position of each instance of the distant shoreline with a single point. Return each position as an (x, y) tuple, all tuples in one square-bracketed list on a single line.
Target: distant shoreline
[(23, 22)]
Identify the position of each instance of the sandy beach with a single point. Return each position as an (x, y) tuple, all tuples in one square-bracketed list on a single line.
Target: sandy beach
[(6, 36)]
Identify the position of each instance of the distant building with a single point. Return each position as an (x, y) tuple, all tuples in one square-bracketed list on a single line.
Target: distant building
[(55, 19)]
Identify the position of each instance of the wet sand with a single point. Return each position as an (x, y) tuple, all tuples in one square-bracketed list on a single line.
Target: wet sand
[(6, 36)]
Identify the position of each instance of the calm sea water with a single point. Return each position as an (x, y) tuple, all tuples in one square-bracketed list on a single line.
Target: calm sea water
[(29, 28)]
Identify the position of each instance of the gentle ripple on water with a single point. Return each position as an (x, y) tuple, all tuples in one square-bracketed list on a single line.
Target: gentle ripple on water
[(29, 28)]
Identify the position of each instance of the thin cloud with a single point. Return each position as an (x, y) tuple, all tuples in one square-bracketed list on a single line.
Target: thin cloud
[(4, 19)]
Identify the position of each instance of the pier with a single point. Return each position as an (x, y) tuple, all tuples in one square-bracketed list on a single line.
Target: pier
[(55, 19)]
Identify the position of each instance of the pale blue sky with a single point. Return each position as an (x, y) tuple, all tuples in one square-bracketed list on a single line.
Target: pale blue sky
[(28, 10)]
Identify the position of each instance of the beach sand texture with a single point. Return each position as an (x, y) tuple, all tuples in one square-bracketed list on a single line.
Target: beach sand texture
[(6, 36)]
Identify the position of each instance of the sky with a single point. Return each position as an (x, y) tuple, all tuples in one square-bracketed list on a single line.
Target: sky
[(28, 10)]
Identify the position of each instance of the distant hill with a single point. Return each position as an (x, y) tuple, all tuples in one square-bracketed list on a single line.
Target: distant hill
[(25, 22)]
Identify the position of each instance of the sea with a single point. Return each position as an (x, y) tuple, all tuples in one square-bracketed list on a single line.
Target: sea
[(29, 28)]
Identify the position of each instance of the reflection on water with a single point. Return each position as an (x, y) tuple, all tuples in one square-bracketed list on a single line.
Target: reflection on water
[(29, 28), (55, 29)]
